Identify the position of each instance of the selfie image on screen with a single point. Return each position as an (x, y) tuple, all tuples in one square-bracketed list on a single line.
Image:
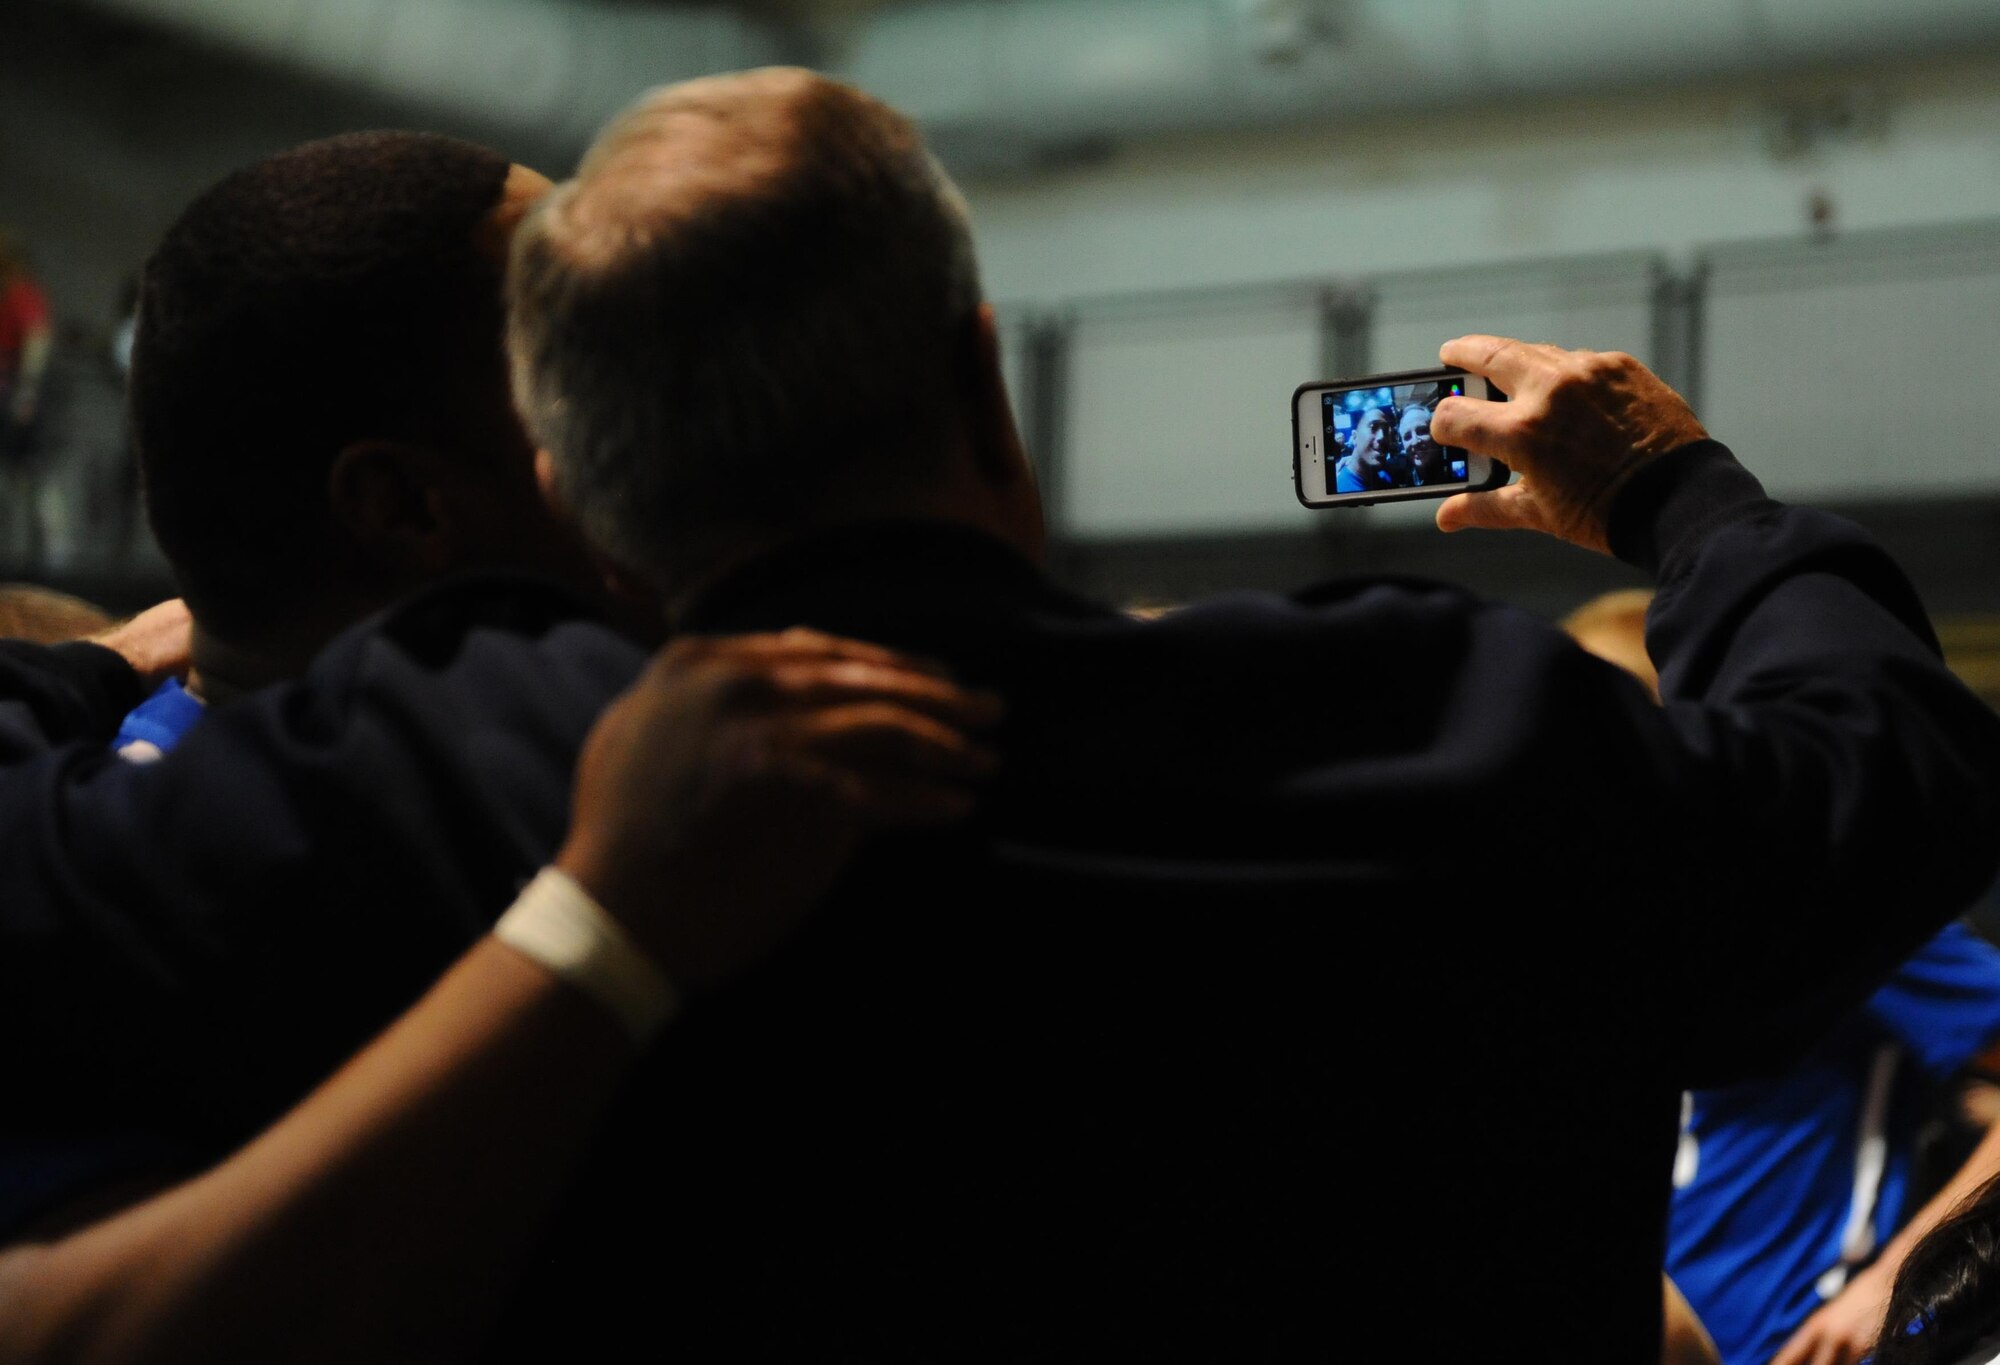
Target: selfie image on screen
[(1381, 438)]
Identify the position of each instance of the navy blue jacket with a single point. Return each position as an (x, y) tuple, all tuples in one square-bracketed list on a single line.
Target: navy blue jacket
[(1229, 1026)]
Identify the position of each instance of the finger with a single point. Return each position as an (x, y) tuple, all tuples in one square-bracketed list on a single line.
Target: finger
[(833, 683), (850, 796), (889, 801), (885, 738), (761, 674), (1506, 361), (1798, 1350), (1512, 508), (1478, 424), (801, 643)]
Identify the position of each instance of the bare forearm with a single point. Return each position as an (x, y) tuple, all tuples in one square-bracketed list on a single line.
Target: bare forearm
[(1843, 1331), (381, 1219), (1978, 1168)]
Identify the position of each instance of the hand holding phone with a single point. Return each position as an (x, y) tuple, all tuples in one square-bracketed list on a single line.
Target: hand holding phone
[(1581, 423), (1362, 441)]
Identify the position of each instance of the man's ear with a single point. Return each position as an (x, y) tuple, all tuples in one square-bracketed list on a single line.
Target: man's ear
[(989, 415), (545, 484), (999, 458), (388, 496)]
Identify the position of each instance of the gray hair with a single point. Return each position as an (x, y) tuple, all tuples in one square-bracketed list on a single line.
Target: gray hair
[(752, 302)]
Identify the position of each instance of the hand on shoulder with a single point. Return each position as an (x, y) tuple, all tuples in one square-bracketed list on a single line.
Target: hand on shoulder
[(719, 797)]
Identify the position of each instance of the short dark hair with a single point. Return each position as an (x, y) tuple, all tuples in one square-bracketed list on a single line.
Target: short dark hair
[(751, 302), (328, 294)]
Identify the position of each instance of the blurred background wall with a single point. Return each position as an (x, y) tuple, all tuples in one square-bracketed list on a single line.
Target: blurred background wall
[(1791, 208)]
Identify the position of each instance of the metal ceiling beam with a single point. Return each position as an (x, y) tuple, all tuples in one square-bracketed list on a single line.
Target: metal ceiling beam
[(1002, 79)]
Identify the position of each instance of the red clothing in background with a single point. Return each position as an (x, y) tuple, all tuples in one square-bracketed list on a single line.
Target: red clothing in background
[(24, 311)]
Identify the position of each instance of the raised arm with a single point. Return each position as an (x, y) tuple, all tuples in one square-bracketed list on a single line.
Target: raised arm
[(1818, 794)]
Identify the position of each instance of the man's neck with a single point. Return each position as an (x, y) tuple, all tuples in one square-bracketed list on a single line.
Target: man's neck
[(948, 505), (227, 667)]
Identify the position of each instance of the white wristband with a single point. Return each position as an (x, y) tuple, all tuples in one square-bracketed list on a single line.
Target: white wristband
[(556, 923)]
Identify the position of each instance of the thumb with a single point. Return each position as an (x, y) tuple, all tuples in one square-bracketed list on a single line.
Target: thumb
[(1795, 1351), (1504, 509)]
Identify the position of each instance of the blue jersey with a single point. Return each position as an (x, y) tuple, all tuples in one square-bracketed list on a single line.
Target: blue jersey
[(1784, 1187), (158, 723)]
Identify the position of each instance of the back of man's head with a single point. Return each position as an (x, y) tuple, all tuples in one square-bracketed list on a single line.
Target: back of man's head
[(751, 306), (332, 294)]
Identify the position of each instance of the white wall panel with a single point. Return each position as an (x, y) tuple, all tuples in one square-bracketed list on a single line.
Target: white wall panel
[(1178, 422), (1859, 368), (1599, 304)]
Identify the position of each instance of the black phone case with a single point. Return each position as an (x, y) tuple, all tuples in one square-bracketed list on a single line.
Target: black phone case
[(1496, 478)]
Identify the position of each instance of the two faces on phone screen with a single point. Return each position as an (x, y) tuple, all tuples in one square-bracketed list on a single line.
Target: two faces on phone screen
[(1381, 438)]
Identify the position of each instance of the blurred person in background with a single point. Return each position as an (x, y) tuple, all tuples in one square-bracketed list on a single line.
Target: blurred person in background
[(1945, 1309), (1793, 1209), (102, 479), (26, 340), (124, 330), (1612, 626), (27, 343), (127, 489)]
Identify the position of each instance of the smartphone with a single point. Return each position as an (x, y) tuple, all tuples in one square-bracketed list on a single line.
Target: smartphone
[(1362, 441)]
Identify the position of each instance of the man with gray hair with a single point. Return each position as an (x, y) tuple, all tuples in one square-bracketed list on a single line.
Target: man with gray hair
[(1107, 1076), (803, 310)]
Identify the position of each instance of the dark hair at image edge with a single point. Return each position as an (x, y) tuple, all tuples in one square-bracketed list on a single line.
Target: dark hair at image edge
[(325, 295), (1950, 1284)]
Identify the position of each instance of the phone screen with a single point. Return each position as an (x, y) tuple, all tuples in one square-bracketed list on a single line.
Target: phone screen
[(1379, 438)]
